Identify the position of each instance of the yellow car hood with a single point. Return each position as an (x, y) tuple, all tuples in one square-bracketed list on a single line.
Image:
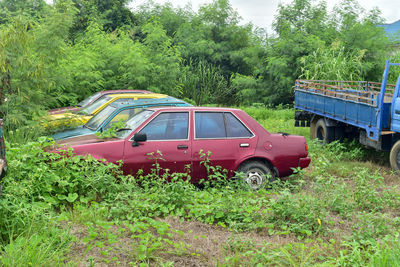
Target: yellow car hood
[(65, 119)]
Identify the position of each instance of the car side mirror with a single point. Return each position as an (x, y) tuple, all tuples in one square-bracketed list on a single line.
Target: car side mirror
[(139, 137)]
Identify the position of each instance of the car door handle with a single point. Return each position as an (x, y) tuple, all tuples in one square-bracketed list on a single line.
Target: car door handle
[(182, 147), (244, 145)]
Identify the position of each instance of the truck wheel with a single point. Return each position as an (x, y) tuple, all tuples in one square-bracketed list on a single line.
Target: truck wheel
[(324, 133), (395, 156), (255, 174), (313, 125)]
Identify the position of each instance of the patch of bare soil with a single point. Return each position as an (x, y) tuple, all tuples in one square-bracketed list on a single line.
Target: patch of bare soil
[(98, 254), (208, 242), (207, 245)]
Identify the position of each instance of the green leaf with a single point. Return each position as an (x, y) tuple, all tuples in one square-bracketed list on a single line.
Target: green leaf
[(72, 197)]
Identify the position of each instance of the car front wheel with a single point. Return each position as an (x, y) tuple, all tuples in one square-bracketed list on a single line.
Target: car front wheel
[(255, 174)]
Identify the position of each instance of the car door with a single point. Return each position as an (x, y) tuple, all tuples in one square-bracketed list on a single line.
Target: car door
[(222, 135), (167, 144)]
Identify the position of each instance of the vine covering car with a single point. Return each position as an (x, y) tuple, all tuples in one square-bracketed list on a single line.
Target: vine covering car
[(236, 141)]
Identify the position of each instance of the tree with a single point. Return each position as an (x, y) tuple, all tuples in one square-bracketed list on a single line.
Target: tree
[(111, 14), (29, 8), (304, 27)]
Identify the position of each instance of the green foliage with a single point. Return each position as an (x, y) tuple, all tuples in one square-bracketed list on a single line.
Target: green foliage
[(112, 131), (56, 54), (35, 249), (112, 14), (306, 32), (204, 83), (333, 63)]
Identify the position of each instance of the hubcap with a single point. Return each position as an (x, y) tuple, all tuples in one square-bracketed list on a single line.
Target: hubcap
[(255, 179)]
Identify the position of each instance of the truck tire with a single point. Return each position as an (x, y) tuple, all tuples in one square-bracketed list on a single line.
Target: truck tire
[(313, 125), (324, 133), (395, 157)]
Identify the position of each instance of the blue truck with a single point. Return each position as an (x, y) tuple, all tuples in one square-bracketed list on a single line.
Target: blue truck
[(368, 111)]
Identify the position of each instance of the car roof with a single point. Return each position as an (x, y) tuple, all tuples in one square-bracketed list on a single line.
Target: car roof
[(195, 109), (129, 95), (125, 91), (147, 101)]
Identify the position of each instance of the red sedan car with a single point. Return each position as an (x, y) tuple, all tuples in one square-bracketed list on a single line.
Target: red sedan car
[(236, 141)]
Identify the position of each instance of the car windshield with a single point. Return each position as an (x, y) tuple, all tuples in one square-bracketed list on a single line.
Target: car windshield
[(100, 117), (92, 107), (89, 99), (134, 122)]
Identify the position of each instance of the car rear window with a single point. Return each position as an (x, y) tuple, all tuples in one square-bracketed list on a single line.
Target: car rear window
[(86, 101), (219, 125), (95, 105), (235, 128), (97, 120)]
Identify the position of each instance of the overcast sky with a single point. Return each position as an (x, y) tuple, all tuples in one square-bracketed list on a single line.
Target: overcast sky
[(261, 12)]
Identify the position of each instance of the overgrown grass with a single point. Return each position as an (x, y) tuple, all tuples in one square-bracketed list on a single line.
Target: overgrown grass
[(342, 210)]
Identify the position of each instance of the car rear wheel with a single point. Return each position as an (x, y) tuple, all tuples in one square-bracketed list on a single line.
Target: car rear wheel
[(255, 174)]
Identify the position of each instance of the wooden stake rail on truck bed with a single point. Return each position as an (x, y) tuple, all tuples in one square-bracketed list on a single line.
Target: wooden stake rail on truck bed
[(359, 91), (353, 109)]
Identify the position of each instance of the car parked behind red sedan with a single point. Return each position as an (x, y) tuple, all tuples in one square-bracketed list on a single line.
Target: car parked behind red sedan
[(236, 141), (91, 99)]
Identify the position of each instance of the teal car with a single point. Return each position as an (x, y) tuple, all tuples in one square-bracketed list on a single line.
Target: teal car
[(117, 112)]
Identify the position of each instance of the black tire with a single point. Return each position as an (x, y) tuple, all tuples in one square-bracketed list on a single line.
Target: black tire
[(255, 174), (324, 133), (313, 125), (395, 157)]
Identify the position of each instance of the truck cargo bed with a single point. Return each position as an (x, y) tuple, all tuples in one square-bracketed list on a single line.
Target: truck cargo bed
[(351, 102)]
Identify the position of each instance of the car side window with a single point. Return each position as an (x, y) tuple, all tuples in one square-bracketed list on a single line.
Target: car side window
[(122, 116), (168, 126), (235, 128), (210, 125)]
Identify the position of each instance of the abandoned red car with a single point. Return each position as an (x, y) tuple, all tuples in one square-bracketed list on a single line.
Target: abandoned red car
[(236, 141)]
